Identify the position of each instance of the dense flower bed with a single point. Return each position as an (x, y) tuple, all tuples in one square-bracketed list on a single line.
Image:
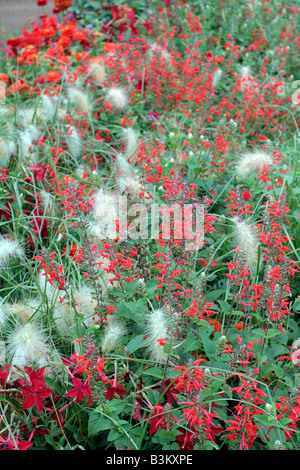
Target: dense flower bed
[(137, 341)]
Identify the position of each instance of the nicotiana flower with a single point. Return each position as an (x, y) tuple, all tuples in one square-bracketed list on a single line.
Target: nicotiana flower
[(158, 323), (253, 161), (117, 97), (10, 249), (247, 240), (113, 334)]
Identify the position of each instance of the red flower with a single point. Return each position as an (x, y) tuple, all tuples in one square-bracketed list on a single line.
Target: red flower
[(79, 391), (246, 195), (185, 440), (114, 391), (157, 419), (34, 394)]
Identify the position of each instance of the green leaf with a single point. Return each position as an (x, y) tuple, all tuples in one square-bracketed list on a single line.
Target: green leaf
[(225, 306), (154, 372), (191, 343), (212, 296), (98, 423), (272, 333), (209, 347), (262, 359), (136, 343)]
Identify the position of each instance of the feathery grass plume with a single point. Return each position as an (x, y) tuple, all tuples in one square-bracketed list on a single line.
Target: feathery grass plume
[(48, 290), (117, 97), (10, 249), (34, 132), (26, 116), (21, 313), (65, 315), (25, 140), (253, 161), (73, 141), (104, 201), (113, 334), (64, 319), (2, 91), (124, 168), (27, 344), (47, 109), (79, 99), (2, 353), (7, 148), (131, 142), (216, 78), (3, 314), (157, 328), (130, 185), (97, 71), (245, 72), (47, 203), (86, 305), (247, 240)]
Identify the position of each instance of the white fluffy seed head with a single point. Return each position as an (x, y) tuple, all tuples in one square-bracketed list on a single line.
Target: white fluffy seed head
[(27, 344), (66, 318), (117, 97), (130, 185), (26, 142), (3, 315), (10, 249), (104, 202), (86, 305), (80, 99), (113, 334), (245, 71), (21, 313), (157, 328), (253, 161), (2, 91), (7, 148), (216, 78), (97, 71), (47, 203), (47, 108), (124, 168), (131, 142), (247, 240), (73, 141)]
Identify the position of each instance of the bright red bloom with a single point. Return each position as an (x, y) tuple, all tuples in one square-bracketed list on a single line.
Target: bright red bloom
[(34, 395), (79, 391)]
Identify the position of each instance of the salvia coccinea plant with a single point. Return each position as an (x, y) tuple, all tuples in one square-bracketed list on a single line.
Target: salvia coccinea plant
[(149, 248)]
